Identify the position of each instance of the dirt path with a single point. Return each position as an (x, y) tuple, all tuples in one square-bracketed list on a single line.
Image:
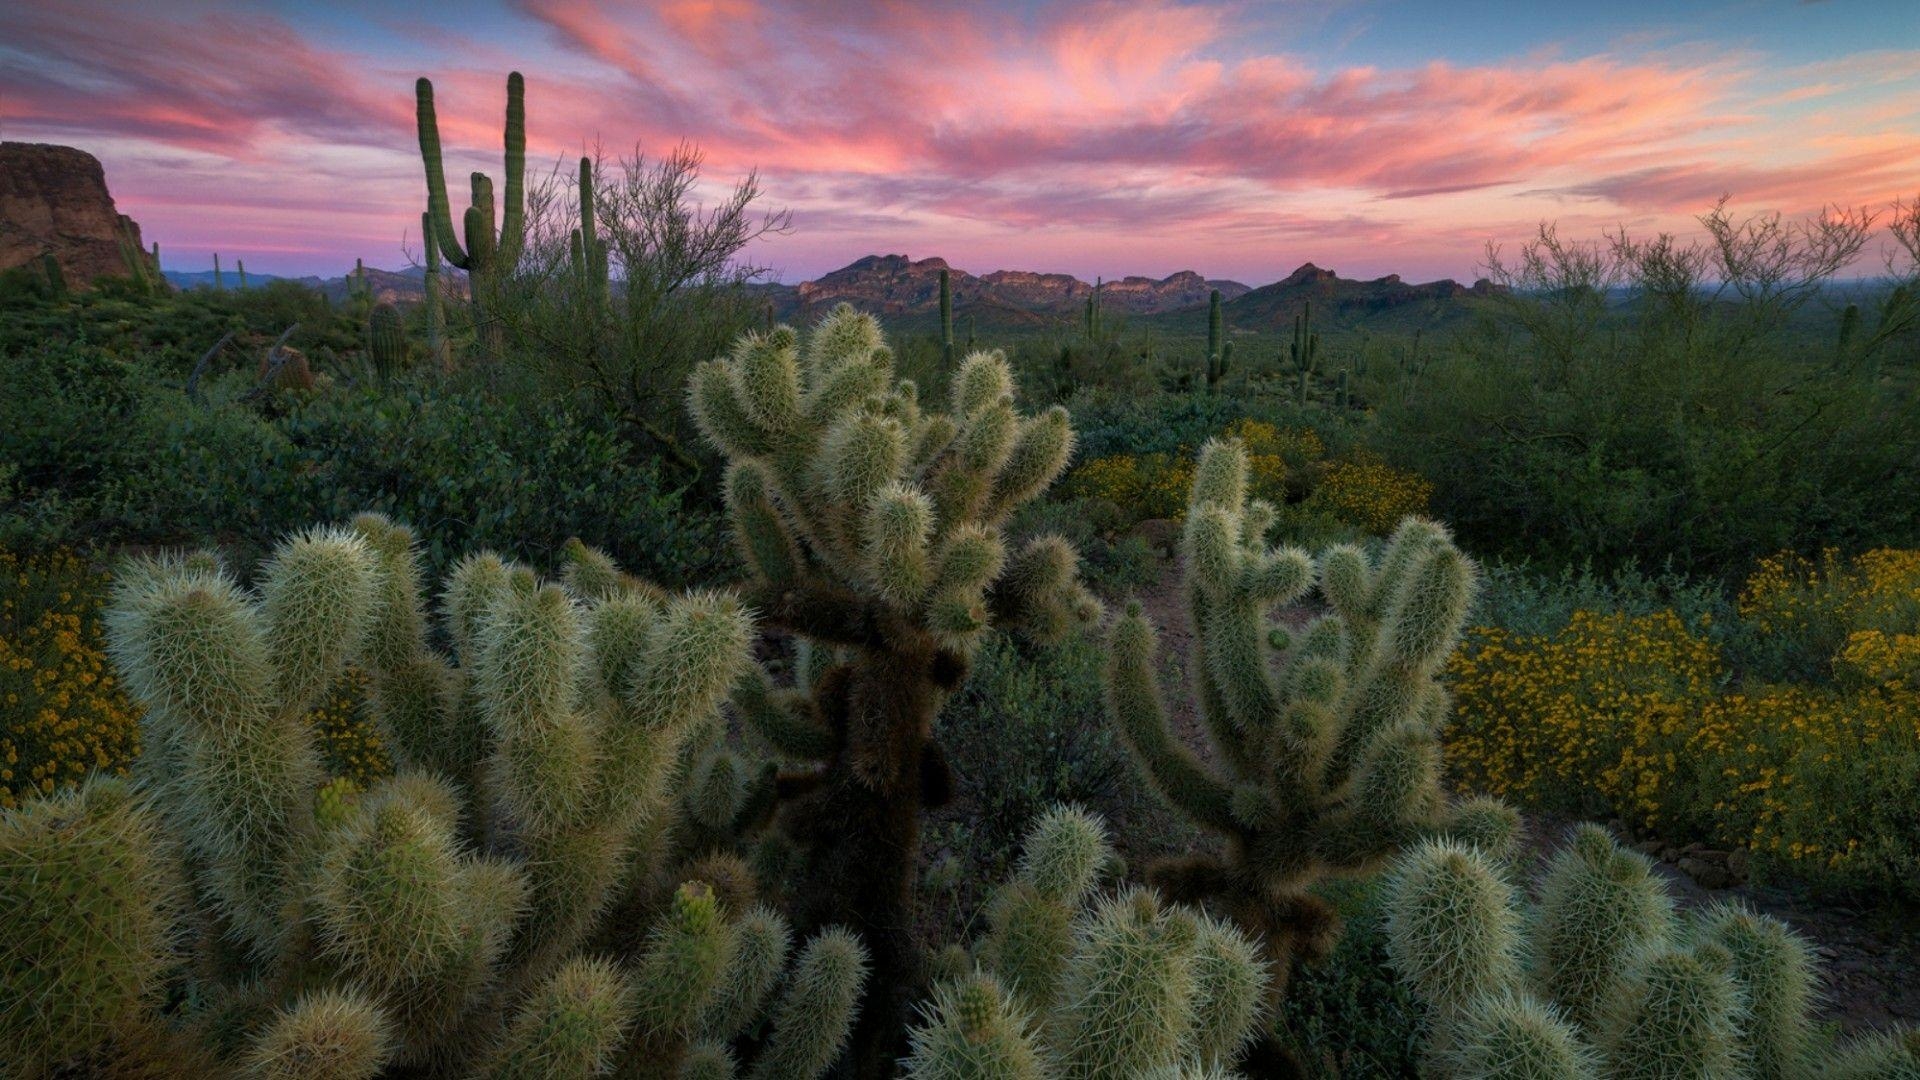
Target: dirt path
[(1870, 954)]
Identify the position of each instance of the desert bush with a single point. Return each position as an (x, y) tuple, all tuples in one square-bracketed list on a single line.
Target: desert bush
[(1347, 1015), (666, 290), (1027, 731), (1698, 421), (438, 918), (1603, 979), (63, 713), (473, 469), (1642, 714)]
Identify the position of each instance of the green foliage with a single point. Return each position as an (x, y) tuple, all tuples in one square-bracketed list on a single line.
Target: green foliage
[(1617, 987), (476, 470)]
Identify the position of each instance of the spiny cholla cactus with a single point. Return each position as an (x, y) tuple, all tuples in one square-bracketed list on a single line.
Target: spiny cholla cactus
[(1331, 764), (873, 529), (1603, 980), (1074, 986), (438, 922)]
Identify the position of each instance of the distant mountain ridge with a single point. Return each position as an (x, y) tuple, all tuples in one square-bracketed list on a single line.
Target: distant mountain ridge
[(1344, 302), (895, 285), (898, 285)]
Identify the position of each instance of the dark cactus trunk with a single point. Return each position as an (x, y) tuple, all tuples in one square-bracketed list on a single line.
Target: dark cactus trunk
[(858, 824)]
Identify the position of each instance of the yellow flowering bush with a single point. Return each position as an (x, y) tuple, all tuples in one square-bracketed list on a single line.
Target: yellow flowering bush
[(1286, 466), (1808, 608), (1370, 494), (1145, 485), (64, 714), (1635, 716)]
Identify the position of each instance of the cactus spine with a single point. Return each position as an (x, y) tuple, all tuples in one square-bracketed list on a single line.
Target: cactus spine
[(484, 255), (946, 322), (386, 341), (1326, 768), (432, 923), (1619, 987), (872, 527)]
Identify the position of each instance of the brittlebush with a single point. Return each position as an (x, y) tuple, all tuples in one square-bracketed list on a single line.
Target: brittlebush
[(1637, 717), (62, 713)]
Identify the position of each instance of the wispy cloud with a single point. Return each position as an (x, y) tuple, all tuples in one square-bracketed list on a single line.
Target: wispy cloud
[(1169, 134)]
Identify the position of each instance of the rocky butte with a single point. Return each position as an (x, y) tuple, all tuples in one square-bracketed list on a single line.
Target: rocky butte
[(55, 199)]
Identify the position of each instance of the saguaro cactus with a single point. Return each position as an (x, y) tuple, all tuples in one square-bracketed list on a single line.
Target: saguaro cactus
[(483, 254), (589, 251), (1219, 351), (1619, 986), (873, 528), (1326, 767), (946, 322), (386, 340), (240, 271), (437, 348), (218, 284), (1304, 348)]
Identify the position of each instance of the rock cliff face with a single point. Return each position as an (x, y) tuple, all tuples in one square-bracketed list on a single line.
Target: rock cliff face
[(54, 199)]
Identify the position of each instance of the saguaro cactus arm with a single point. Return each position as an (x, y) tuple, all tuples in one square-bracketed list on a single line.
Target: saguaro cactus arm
[(505, 249)]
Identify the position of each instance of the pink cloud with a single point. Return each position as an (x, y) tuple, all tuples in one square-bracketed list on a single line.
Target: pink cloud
[(965, 126)]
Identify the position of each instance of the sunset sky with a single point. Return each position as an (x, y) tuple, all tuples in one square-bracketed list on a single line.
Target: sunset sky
[(1126, 137)]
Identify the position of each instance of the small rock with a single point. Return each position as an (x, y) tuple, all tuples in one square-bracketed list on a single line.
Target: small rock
[(1649, 847), (1737, 864), (1709, 875)]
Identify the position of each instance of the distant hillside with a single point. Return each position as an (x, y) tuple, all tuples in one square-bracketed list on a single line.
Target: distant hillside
[(1344, 303), (897, 285), (396, 286)]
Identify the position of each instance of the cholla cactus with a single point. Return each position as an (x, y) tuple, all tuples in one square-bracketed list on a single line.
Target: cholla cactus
[(1603, 981), (1071, 986), (434, 923), (1326, 767), (88, 899), (873, 529)]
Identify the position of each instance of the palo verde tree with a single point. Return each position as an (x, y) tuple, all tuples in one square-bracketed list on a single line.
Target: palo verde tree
[(872, 526)]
